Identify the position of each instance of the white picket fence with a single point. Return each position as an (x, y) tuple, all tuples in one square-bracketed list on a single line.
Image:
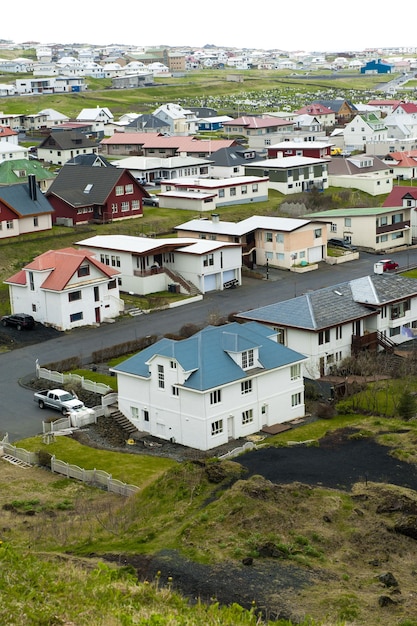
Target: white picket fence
[(60, 378), (96, 478)]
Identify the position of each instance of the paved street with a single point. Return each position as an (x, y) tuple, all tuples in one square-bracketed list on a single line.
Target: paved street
[(19, 415)]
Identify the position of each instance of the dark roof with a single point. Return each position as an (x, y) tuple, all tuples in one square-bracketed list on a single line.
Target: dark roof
[(336, 105), (338, 304), (339, 166), (67, 140), (91, 160), (229, 157), (204, 112), (79, 185), (19, 199), (146, 121)]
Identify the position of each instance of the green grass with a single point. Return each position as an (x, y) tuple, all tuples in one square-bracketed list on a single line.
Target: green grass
[(135, 469), (97, 377)]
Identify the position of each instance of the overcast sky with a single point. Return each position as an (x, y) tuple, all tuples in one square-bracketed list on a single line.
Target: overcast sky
[(268, 25)]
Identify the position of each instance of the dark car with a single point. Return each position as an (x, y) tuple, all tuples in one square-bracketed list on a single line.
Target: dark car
[(19, 320), (340, 243)]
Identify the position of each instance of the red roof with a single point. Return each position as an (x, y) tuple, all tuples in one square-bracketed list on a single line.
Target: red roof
[(407, 107), (5, 131), (395, 198), (257, 122), (405, 159), (156, 140), (315, 109), (63, 264)]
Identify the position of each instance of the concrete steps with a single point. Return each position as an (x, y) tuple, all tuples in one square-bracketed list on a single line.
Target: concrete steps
[(123, 422), (14, 461)]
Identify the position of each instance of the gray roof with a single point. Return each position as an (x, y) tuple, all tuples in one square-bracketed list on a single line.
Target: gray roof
[(338, 304), (346, 166), (232, 157), (206, 354), (18, 198), (89, 159), (72, 181), (67, 140), (145, 122)]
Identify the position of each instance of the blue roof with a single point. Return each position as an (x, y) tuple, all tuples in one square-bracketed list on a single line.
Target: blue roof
[(206, 354), (18, 198)]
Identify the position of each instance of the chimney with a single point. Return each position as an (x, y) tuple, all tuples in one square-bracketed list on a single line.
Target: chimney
[(33, 186), (215, 218)]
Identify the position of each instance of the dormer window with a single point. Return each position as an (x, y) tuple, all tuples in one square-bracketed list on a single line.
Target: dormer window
[(83, 270), (247, 359)]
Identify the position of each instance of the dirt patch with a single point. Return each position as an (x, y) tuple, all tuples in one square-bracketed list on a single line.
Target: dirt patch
[(11, 338)]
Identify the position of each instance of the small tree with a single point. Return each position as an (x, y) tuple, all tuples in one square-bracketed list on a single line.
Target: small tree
[(407, 406)]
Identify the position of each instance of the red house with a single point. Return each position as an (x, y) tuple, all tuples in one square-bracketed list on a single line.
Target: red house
[(95, 194)]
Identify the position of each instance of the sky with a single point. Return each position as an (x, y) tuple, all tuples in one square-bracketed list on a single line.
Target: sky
[(269, 25)]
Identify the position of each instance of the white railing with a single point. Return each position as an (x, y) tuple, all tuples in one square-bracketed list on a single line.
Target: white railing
[(249, 445), (58, 377), (31, 458), (93, 477)]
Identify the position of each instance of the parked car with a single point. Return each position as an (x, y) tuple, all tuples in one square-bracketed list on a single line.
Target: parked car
[(153, 200), (60, 400), (340, 243), (19, 320), (388, 264)]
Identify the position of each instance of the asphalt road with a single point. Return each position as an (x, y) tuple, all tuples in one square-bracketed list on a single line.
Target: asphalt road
[(19, 415)]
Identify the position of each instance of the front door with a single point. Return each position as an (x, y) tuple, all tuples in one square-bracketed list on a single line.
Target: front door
[(98, 316), (230, 429)]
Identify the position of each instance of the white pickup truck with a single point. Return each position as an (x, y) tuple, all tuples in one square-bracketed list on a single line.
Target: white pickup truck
[(58, 399)]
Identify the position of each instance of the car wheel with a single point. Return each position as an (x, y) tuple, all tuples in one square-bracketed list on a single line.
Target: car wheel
[(19, 326), (41, 404)]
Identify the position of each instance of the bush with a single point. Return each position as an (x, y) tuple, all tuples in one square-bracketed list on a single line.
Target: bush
[(324, 410), (407, 406)]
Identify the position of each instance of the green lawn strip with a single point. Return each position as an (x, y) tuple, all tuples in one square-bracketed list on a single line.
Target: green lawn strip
[(134, 469), (97, 377)]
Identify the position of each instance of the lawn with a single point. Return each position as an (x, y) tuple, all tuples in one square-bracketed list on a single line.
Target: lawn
[(134, 469)]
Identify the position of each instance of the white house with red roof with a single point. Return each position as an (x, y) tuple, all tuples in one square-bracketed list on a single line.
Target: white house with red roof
[(405, 197), (404, 164), (325, 115), (157, 145), (65, 289), (8, 135), (260, 131)]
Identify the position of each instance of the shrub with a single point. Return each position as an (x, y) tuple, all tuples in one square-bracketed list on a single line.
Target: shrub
[(407, 406), (324, 410)]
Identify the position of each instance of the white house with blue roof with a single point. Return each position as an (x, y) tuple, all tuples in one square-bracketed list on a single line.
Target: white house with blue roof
[(224, 382)]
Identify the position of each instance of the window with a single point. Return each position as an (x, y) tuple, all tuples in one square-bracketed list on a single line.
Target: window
[(35, 222), (268, 237), (333, 227), (9, 225), (399, 309), (135, 205), (75, 317), (114, 207), (112, 284), (324, 337), (244, 189), (296, 371), (208, 260), (31, 282), (145, 414), (255, 187), (317, 233), (83, 270), (161, 377), (296, 399), (397, 218), (246, 387), (216, 427), (232, 191), (175, 390), (394, 331), (279, 237), (119, 190), (173, 365), (129, 189), (348, 222), (74, 295), (221, 193), (215, 396), (338, 332), (247, 359), (247, 416), (125, 206), (134, 412)]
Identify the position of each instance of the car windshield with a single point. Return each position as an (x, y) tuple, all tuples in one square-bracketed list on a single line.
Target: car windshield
[(66, 396)]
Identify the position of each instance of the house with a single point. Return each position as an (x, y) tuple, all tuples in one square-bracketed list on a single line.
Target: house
[(8, 135), (292, 174), (147, 123), (65, 289), (53, 118), (206, 194), (259, 131), (50, 85), (148, 169), (377, 66), (335, 322), (181, 121), (11, 151), (403, 164), (276, 241), (81, 194), (23, 209), (364, 129), (325, 116), (375, 229), (405, 198), (149, 265), (17, 171), (225, 382), (10, 120), (61, 146), (386, 106), (361, 171), (157, 145), (212, 123), (343, 109), (230, 162), (98, 117), (313, 149)]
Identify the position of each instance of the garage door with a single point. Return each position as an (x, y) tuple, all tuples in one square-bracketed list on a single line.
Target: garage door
[(315, 254), (209, 283), (229, 275)]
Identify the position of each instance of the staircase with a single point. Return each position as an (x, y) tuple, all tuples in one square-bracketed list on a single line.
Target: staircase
[(387, 344), (123, 422), (14, 461), (186, 284)]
